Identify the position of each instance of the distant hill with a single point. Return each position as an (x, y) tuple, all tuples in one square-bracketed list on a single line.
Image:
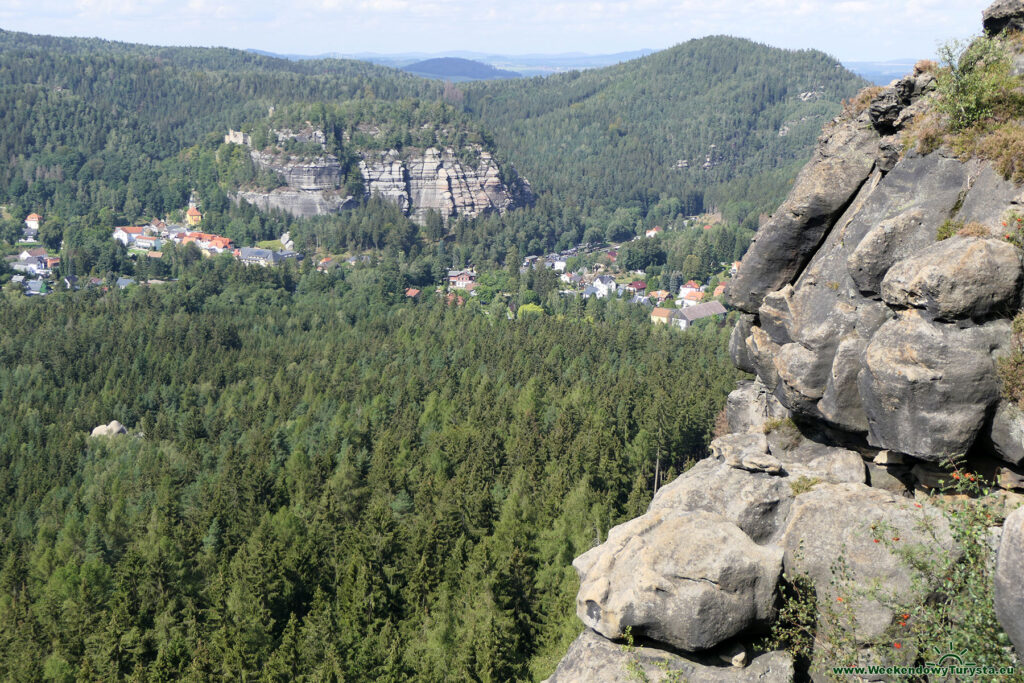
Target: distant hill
[(711, 122), (525, 65), (457, 69)]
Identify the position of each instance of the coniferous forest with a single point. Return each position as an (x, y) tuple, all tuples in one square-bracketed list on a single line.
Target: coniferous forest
[(317, 481), (324, 477)]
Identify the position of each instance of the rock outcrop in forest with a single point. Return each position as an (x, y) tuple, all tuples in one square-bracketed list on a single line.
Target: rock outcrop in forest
[(876, 314), (420, 181)]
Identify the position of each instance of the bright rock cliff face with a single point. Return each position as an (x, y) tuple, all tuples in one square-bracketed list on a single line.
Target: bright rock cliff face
[(875, 347), (419, 182)]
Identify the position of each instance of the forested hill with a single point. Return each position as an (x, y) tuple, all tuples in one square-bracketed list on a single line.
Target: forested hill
[(618, 138), (454, 68), (618, 135), (208, 59)]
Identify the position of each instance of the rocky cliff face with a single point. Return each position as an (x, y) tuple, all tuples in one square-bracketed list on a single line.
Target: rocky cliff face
[(418, 182), (875, 346)]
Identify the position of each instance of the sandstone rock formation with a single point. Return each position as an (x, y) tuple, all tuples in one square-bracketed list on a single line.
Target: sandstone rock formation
[(1009, 579), (418, 181), (875, 347), (593, 658), (114, 428), (691, 580)]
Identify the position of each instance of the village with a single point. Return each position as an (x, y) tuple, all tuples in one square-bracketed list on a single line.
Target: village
[(598, 277), (603, 279), (35, 267)]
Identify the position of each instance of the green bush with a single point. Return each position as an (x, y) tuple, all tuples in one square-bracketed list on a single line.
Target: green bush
[(973, 80)]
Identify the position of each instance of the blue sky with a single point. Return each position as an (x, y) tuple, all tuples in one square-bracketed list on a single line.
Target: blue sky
[(847, 29)]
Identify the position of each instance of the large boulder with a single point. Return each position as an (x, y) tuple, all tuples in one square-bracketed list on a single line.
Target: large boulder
[(1007, 432), (838, 535), (1003, 14), (841, 164), (884, 245), (757, 502), (593, 659), (112, 429), (689, 579), (957, 278), (1009, 579), (927, 387)]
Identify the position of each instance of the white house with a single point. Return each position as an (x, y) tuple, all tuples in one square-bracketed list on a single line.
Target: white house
[(127, 235), (605, 286)]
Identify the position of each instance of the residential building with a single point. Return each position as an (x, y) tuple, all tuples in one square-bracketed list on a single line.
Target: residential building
[(663, 316), (193, 217), (254, 256), (605, 286), (461, 278), (37, 288), (38, 252), (124, 282), (147, 242), (127, 234), (636, 287), (690, 315), (692, 298), (653, 232), (32, 221)]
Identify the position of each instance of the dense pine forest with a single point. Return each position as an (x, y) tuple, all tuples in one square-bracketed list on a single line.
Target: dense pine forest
[(317, 481)]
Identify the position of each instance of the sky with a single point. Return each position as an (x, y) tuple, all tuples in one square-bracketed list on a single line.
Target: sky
[(851, 30)]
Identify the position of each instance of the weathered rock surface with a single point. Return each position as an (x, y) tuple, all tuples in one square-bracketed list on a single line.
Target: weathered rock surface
[(756, 502), (311, 175), (301, 203), (387, 176), (1003, 14), (927, 387), (802, 457), (593, 659), (419, 182), (836, 521), (961, 277), (826, 185), (1007, 433), (738, 349), (750, 405), (688, 579), (1009, 579), (885, 244), (112, 429), (761, 350)]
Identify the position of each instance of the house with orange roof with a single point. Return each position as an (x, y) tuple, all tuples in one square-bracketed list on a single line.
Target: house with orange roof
[(209, 242), (193, 217), (653, 232), (692, 298), (32, 221), (663, 316)]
